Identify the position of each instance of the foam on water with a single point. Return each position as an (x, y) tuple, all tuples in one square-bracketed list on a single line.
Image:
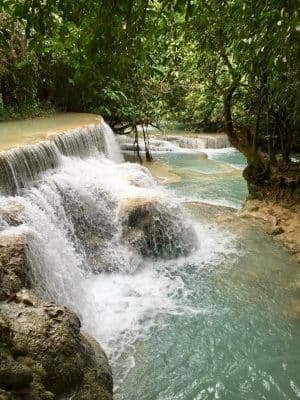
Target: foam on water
[(82, 195), (71, 221), (178, 143), (125, 307), (173, 328)]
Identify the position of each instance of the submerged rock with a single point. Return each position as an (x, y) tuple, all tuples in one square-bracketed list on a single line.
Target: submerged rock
[(156, 229), (43, 354)]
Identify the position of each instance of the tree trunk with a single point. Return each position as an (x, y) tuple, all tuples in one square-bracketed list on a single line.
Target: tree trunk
[(136, 147), (147, 144), (271, 146)]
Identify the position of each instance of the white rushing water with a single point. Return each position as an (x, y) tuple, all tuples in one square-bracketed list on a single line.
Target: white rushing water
[(184, 309), (21, 166), (179, 143), (76, 247), (72, 217)]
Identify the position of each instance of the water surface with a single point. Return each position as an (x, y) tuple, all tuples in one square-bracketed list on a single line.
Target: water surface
[(222, 325), (217, 324), (30, 131), (217, 180)]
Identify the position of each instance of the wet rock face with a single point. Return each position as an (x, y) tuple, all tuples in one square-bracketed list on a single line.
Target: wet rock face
[(14, 269), (11, 214), (93, 228), (43, 354), (156, 230)]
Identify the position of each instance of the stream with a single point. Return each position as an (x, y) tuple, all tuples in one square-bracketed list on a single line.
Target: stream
[(216, 322), (224, 326)]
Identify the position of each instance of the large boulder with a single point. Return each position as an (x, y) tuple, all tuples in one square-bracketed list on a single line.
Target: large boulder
[(14, 268), (156, 229), (43, 354)]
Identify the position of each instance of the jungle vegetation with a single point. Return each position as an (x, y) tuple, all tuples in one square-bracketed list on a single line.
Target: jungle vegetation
[(228, 65)]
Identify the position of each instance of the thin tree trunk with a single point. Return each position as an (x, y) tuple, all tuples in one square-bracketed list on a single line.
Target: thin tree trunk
[(227, 101), (147, 144), (136, 147), (271, 146)]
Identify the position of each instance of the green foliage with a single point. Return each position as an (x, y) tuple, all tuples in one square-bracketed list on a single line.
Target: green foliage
[(18, 63), (141, 61), (26, 110)]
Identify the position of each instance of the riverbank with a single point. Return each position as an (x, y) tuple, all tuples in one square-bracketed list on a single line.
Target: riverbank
[(280, 219), (282, 222)]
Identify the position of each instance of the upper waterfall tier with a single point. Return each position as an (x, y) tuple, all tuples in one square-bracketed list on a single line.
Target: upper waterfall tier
[(73, 135), (30, 131), (178, 142)]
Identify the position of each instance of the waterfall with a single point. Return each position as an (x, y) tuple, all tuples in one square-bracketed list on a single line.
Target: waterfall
[(113, 150), (87, 218), (21, 166), (161, 293), (179, 143)]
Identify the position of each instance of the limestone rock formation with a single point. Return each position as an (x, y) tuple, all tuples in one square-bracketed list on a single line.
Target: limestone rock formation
[(43, 354), (155, 229), (281, 221), (14, 269)]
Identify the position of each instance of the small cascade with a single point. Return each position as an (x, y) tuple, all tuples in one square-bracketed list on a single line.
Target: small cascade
[(179, 143), (21, 166), (156, 145), (112, 147), (201, 141), (81, 142)]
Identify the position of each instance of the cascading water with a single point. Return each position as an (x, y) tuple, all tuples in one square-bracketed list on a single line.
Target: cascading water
[(77, 208), (184, 310), (21, 166), (175, 143)]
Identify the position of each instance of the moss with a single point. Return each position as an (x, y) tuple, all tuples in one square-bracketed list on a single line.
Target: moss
[(14, 375), (254, 196)]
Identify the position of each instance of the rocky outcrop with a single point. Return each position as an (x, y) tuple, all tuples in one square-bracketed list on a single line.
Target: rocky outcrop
[(92, 230), (14, 269), (45, 356), (43, 353), (154, 229), (281, 221), (275, 182)]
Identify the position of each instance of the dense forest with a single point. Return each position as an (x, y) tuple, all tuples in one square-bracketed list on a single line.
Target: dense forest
[(228, 65)]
